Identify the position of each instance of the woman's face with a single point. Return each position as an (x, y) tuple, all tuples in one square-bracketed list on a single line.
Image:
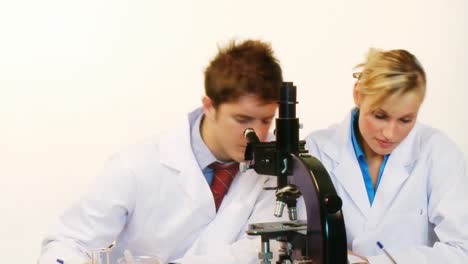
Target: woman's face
[(383, 127)]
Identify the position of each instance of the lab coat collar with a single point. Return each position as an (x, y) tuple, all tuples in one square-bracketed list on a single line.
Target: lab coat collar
[(347, 172), (397, 170), (177, 154)]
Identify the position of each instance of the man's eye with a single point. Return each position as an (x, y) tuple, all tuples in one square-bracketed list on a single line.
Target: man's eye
[(267, 121), (242, 120)]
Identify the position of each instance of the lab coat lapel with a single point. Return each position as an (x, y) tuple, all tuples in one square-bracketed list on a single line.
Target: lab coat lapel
[(349, 175), (176, 153), (233, 213), (346, 168), (391, 182), (396, 172)]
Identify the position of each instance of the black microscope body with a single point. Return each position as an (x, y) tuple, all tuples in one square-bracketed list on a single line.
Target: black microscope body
[(321, 239)]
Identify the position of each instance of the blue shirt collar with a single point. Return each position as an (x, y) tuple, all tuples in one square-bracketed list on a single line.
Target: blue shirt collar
[(357, 149)]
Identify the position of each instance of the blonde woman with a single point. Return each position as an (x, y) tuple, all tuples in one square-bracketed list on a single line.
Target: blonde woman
[(403, 184)]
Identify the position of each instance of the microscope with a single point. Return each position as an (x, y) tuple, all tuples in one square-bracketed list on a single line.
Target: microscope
[(321, 239)]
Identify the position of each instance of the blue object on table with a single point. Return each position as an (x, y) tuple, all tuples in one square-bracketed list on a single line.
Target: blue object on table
[(386, 252)]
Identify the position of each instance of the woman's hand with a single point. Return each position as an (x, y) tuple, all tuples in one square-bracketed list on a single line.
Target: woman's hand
[(364, 259)]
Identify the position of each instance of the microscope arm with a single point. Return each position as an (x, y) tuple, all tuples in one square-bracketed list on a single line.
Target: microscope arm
[(325, 223)]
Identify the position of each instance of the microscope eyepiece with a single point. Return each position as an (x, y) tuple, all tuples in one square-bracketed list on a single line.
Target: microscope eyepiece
[(251, 136)]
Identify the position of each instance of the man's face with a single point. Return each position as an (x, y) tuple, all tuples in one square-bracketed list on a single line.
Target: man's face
[(223, 127)]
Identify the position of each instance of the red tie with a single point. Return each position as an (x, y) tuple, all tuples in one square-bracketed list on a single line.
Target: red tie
[(223, 174)]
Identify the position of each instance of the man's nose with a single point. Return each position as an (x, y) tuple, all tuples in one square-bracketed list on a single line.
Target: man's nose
[(261, 130)]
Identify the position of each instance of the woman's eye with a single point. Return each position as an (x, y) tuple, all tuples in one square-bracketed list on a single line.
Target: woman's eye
[(406, 121), (380, 116)]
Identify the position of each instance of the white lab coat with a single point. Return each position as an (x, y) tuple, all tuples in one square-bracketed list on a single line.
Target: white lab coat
[(419, 212), (154, 200)]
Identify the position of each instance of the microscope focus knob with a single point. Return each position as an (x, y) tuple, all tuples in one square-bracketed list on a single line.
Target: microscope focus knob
[(333, 203)]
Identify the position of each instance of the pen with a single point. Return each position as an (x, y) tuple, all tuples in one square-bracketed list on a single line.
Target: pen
[(60, 261), (386, 252)]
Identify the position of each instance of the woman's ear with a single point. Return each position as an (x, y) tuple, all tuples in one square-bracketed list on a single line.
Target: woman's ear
[(357, 96)]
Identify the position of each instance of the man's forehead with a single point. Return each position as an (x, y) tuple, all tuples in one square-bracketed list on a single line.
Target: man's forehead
[(252, 116)]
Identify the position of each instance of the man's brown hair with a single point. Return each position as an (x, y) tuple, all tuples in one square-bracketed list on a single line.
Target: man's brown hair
[(243, 68)]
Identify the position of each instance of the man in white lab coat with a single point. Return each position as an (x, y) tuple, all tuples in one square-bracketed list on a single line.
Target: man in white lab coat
[(154, 198), (402, 183)]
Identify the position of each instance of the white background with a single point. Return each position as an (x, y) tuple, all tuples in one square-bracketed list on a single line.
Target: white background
[(81, 79)]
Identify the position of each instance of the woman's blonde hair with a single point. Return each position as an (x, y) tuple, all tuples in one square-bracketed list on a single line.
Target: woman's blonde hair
[(393, 72)]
